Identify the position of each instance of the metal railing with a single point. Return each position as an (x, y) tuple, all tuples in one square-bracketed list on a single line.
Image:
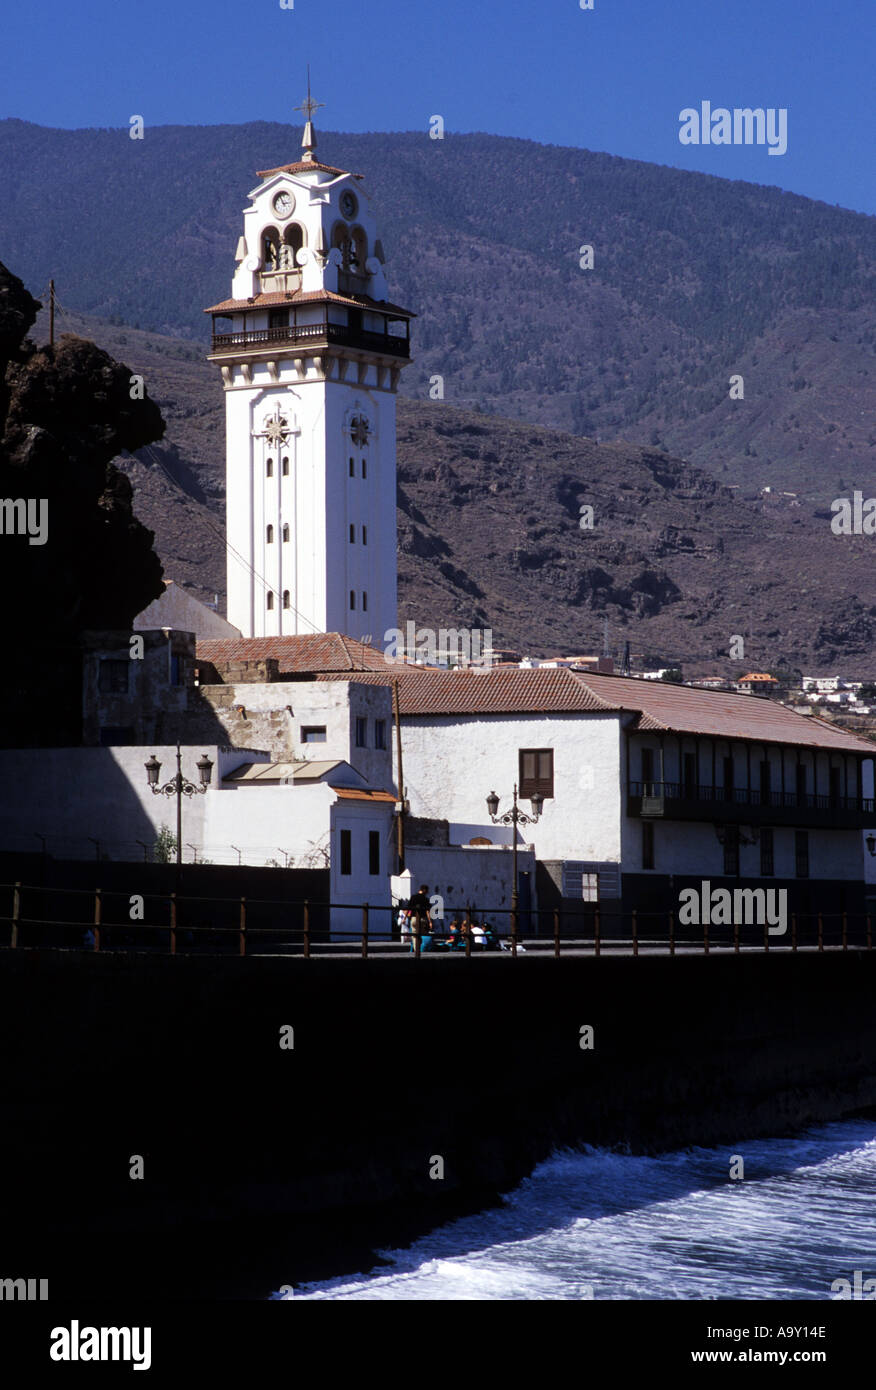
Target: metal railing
[(243, 926), (314, 332), (751, 796)]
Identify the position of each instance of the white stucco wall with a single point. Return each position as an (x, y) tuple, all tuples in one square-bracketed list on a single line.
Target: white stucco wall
[(278, 712), (479, 877), (691, 847), (361, 886), (451, 763), (75, 796)]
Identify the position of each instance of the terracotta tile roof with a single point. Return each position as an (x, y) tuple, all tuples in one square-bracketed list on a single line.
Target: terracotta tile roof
[(280, 299), (354, 794), (301, 166), (659, 706), (722, 713), (498, 691), (308, 654), (757, 676)]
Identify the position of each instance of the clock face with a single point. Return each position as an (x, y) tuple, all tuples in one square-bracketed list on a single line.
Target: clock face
[(283, 204), (349, 205)]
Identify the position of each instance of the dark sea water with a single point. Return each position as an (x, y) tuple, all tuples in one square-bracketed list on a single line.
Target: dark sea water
[(601, 1225)]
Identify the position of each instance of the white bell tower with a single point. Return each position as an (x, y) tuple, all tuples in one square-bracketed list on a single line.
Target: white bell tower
[(311, 351)]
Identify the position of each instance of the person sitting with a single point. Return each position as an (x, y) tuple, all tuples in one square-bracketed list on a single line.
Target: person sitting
[(478, 936)]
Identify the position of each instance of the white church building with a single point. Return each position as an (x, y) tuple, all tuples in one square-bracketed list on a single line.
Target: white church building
[(310, 350)]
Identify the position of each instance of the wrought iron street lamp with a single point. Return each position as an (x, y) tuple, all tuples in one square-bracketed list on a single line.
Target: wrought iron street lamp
[(514, 817), (179, 787)]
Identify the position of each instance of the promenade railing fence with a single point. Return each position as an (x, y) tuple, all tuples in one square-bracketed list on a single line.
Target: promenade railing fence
[(40, 917)]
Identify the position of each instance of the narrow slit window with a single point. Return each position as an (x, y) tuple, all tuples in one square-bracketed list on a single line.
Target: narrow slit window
[(269, 468)]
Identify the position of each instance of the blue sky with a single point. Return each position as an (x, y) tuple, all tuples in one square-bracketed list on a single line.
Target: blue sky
[(613, 79)]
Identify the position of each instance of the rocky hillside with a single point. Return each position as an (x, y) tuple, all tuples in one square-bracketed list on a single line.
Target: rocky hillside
[(489, 515)]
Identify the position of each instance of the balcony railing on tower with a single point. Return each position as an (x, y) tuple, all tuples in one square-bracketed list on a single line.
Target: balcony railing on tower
[(314, 333)]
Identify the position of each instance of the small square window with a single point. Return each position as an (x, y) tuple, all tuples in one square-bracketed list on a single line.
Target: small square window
[(590, 888), (313, 733), (112, 678)]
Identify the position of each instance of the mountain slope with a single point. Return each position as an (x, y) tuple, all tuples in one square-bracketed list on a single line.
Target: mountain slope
[(695, 279), (490, 536)]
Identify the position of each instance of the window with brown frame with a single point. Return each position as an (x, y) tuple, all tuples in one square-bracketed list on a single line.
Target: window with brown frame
[(536, 772)]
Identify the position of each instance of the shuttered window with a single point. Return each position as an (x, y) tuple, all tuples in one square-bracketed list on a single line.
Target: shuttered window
[(536, 771)]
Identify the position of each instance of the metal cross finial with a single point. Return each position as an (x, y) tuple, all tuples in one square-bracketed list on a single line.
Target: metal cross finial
[(309, 106)]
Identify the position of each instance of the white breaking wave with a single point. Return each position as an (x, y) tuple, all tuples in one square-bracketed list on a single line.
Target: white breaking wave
[(596, 1224)]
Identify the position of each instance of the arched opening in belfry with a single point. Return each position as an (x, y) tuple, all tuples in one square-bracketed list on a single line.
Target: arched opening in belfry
[(359, 253), (341, 241), (293, 242), (271, 248)]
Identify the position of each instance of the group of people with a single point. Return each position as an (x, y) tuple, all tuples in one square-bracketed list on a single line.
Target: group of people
[(417, 916)]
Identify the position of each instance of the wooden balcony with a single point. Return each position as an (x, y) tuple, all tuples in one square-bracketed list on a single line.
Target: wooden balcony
[(744, 805), (312, 335)]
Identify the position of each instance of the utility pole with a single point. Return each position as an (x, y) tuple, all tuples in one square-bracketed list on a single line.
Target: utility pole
[(400, 820), (51, 313)]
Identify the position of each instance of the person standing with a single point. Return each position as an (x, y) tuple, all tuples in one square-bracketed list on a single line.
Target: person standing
[(421, 916)]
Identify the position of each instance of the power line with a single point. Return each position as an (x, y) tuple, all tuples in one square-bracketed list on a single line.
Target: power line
[(229, 548)]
